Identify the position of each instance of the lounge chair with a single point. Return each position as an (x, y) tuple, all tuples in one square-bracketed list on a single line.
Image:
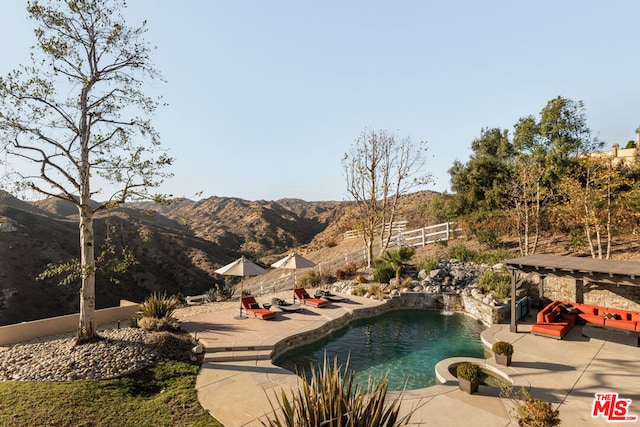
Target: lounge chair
[(305, 298), (251, 306), (328, 296), (286, 306)]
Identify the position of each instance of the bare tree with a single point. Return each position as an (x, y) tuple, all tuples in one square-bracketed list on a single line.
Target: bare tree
[(77, 116), (379, 169)]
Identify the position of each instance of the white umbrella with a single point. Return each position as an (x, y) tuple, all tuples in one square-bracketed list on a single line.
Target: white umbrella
[(241, 267), (293, 262)]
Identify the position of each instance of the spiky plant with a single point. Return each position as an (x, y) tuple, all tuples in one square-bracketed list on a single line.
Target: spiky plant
[(158, 306), (330, 397)]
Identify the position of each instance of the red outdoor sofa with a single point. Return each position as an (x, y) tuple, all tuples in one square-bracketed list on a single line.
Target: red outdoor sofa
[(557, 318)]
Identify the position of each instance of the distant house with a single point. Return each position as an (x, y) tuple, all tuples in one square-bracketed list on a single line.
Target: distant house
[(624, 156)]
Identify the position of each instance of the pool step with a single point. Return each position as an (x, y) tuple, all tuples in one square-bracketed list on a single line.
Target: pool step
[(239, 353)]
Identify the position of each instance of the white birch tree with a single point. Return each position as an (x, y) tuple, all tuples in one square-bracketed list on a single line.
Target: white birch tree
[(76, 123)]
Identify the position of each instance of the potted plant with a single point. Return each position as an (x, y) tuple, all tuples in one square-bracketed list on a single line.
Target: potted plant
[(468, 377), (502, 351)]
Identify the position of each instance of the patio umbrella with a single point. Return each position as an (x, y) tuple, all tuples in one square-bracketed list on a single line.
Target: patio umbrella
[(293, 262), (241, 267)]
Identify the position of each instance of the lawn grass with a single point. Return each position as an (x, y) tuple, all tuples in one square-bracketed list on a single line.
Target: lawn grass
[(162, 395)]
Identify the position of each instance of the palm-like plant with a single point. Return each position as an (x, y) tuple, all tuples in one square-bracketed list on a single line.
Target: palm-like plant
[(397, 259), (331, 398)]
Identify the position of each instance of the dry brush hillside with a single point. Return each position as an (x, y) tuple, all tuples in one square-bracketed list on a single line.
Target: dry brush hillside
[(178, 246)]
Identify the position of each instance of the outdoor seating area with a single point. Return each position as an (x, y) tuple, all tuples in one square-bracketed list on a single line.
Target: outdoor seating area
[(558, 317)]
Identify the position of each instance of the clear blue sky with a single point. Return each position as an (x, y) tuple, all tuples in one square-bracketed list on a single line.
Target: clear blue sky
[(265, 97)]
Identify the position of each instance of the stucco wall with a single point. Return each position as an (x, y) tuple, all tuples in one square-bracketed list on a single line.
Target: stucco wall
[(25, 331)]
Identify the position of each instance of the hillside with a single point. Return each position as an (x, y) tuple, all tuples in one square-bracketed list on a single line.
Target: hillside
[(178, 245)]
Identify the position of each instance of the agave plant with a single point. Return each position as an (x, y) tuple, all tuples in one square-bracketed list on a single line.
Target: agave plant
[(330, 397)]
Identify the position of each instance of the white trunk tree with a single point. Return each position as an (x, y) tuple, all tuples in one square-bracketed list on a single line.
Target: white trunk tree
[(379, 169), (76, 122)]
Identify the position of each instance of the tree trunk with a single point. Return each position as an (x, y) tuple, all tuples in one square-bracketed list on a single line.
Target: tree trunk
[(86, 326)]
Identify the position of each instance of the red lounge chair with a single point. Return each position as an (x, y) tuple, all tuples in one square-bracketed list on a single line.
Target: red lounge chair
[(251, 306), (305, 298)]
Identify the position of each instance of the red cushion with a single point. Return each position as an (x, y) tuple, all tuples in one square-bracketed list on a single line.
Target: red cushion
[(622, 324)]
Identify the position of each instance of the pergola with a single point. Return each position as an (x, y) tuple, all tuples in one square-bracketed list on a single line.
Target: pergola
[(613, 272)]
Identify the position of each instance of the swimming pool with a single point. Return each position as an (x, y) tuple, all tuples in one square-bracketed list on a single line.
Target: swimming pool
[(406, 344)]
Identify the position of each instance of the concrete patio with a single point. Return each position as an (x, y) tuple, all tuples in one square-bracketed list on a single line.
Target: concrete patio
[(237, 377)]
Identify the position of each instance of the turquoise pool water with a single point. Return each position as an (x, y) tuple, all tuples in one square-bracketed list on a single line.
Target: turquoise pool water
[(405, 344)]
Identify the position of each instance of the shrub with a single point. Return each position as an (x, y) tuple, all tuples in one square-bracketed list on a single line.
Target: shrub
[(532, 412), (180, 299), (158, 306), (327, 278), (461, 253), (341, 274), (211, 295), (502, 290), (351, 268), (224, 291), (360, 279), (155, 324), (170, 345), (133, 322), (488, 237), (502, 347), (310, 278), (468, 371), (496, 283), (331, 398), (359, 291), (427, 264), (376, 290), (492, 257), (383, 273), (331, 243)]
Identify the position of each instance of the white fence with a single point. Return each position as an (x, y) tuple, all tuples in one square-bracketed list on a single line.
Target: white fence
[(413, 238), (395, 227), (425, 235)]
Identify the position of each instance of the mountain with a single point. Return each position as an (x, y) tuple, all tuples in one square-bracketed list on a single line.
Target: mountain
[(178, 245)]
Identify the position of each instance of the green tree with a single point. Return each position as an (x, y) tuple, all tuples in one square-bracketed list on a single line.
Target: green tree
[(397, 259), (78, 115), (483, 182), (565, 136), (379, 169)]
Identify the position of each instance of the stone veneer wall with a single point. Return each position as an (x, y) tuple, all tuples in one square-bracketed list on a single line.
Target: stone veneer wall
[(602, 294)]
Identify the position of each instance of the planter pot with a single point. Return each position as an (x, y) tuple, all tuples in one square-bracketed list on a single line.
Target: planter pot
[(503, 359), (468, 386)]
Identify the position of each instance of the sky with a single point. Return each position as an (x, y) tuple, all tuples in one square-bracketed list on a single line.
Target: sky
[(265, 97)]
